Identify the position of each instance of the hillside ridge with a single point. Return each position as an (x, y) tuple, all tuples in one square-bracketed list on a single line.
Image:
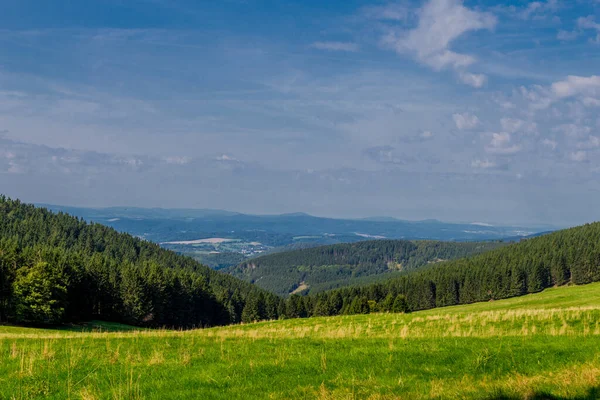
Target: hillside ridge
[(333, 266)]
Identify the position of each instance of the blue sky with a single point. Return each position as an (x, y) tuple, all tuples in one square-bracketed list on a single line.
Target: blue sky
[(461, 111)]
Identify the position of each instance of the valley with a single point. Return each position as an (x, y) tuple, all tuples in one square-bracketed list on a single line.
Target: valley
[(89, 312), (222, 239), (300, 200)]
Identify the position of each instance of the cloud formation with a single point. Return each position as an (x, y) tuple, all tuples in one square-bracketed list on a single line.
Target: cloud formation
[(502, 143), (475, 80), (440, 23), (481, 105), (589, 22), (336, 46), (465, 121)]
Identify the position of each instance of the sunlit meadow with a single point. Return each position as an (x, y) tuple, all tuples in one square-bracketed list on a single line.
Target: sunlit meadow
[(540, 346)]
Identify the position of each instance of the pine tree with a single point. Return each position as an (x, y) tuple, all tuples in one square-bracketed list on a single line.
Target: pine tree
[(400, 305), (252, 309), (387, 303)]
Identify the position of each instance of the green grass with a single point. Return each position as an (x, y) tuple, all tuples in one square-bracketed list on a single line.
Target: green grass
[(545, 345)]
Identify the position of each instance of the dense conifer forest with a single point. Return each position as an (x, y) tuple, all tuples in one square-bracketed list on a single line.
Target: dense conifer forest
[(313, 270), (55, 268), (570, 256), (318, 269)]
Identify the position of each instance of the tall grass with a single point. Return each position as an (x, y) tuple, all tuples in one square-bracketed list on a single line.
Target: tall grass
[(540, 345)]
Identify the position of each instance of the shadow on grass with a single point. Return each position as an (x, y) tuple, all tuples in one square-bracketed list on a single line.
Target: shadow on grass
[(90, 326), (592, 394), (99, 326)]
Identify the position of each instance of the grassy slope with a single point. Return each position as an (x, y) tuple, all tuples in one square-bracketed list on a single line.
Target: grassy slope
[(515, 348)]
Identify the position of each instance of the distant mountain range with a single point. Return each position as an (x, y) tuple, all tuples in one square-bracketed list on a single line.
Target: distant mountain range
[(253, 235), (137, 212)]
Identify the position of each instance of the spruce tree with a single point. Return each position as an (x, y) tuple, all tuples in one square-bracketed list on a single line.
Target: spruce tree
[(400, 305)]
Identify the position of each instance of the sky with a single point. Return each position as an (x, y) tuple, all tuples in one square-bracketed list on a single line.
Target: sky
[(457, 110)]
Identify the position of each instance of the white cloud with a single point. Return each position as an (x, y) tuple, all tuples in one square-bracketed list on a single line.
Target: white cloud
[(589, 22), (133, 162), (475, 80), (550, 143), (440, 23), (389, 12), (539, 97), (225, 157), (591, 143), (573, 130), (9, 155), (384, 154), (578, 156), (536, 8), (176, 160), (14, 168), (503, 102), (567, 35), (591, 102), (426, 134), (576, 85), (501, 143), (513, 125), (465, 121), (483, 164), (500, 139), (584, 89), (336, 46)]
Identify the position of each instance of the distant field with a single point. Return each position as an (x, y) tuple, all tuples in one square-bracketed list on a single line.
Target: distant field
[(542, 346), (200, 241)]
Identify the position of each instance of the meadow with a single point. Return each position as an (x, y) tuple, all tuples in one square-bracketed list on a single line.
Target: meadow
[(540, 346)]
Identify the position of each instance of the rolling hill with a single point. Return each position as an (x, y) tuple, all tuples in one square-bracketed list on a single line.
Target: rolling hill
[(313, 270), (570, 256), (55, 268), (253, 235), (539, 346)]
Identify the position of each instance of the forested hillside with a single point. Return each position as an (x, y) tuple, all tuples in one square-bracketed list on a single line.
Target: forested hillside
[(56, 268), (559, 258), (317, 269)]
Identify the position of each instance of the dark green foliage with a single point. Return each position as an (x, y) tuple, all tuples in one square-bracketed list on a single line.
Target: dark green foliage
[(399, 305), (568, 256), (56, 268), (296, 307), (359, 305), (40, 294), (254, 309), (330, 267), (219, 260)]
